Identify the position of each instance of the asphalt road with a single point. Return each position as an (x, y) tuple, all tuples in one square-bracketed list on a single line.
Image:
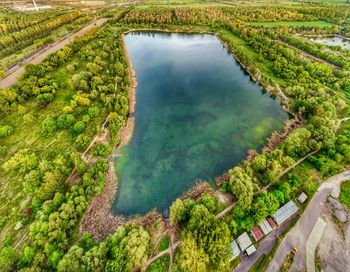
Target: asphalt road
[(12, 78), (298, 236)]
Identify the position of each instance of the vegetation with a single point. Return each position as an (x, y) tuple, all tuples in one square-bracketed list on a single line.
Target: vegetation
[(53, 114), (344, 196)]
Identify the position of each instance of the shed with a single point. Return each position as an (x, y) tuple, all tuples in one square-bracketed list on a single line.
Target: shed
[(265, 227), (250, 250), (271, 222), (257, 233), (235, 249), (286, 211), (302, 197), (244, 241)]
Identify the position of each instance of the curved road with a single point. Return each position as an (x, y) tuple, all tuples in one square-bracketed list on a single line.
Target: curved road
[(12, 78), (298, 236)]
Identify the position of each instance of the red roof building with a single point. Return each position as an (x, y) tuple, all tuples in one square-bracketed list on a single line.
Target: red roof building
[(272, 222), (257, 233)]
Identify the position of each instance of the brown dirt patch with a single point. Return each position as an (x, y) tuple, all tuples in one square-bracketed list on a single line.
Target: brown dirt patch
[(333, 250)]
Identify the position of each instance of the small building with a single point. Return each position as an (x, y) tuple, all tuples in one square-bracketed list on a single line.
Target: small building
[(265, 227), (244, 241), (302, 197), (250, 250), (235, 249), (286, 211), (271, 222), (257, 233)]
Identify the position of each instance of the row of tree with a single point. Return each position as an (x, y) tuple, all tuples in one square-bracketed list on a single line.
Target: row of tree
[(21, 39)]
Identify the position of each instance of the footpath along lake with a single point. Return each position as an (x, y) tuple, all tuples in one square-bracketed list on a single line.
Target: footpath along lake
[(197, 113)]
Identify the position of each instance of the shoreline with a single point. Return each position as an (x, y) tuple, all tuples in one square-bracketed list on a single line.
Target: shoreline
[(99, 220)]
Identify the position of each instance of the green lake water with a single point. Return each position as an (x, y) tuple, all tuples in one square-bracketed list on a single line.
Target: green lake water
[(197, 113)]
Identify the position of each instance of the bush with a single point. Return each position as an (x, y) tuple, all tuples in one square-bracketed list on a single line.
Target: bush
[(93, 112), (82, 142), (86, 118), (49, 125), (79, 127), (3, 151), (101, 150), (5, 131), (45, 98), (65, 120)]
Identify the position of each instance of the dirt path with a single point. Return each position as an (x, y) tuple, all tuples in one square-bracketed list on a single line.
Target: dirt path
[(12, 78), (297, 237), (169, 250)]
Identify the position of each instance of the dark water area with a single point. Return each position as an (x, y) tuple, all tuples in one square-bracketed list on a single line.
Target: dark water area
[(197, 113)]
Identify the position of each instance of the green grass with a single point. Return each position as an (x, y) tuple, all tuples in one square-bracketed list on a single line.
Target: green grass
[(287, 263), (160, 265), (344, 196), (164, 243), (256, 266), (292, 23)]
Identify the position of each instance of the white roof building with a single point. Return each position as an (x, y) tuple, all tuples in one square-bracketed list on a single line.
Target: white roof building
[(286, 211), (250, 250), (244, 241), (235, 249), (302, 197), (265, 227)]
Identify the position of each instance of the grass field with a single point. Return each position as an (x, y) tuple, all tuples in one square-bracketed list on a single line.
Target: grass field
[(344, 196), (292, 23)]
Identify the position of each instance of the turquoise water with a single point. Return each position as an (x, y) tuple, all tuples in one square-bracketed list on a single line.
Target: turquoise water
[(197, 114)]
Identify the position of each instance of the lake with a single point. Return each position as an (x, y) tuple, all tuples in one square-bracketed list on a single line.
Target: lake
[(197, 113), (333, 41)]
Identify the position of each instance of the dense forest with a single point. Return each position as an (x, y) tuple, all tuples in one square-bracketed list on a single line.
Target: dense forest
[(51, 116)]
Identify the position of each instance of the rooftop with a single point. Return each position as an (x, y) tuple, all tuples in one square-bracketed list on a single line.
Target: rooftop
[(244, 241), (235, 249), (285, 212), (265, 227), (250, 250), (257, 233), (302, 197)]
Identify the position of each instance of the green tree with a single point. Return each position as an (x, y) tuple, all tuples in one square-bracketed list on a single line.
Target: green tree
[(191, 257), (49, 125), (297, 143), (72, 261), (241, 186), (136, 247), (8, 259), (79, 127), (5, 131)]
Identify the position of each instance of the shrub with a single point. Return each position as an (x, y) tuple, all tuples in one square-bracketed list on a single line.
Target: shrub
[(79, 127), (5, 131), (93, 112), (45, 98), (82, 142), (49, 125), (65, 120), (101, 150), (3, 151)]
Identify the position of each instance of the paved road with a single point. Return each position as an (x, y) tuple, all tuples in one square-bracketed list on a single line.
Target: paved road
[(298, 236), (12, 78), (266, 245)]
